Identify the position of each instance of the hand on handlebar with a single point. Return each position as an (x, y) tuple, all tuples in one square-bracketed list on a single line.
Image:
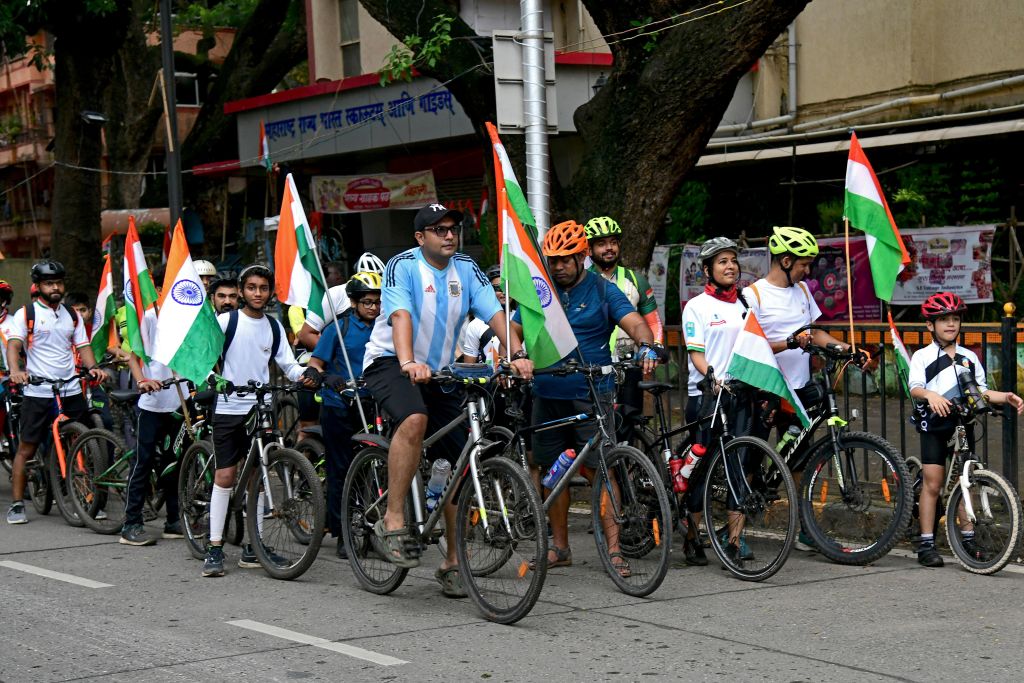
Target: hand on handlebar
[(418, 373), (798, 341), (523, 367), (148, 386), (19, 377), (939, 404), (311, 378), (98, 374), (222, 385)]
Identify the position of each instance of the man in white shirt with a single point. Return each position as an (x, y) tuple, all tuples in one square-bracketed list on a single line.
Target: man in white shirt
[(49, 334)]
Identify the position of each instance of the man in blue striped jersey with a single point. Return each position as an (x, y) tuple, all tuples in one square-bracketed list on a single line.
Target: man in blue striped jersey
[(428, 292)]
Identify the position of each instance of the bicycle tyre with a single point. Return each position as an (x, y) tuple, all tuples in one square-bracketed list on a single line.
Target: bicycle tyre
[(505, 593), (1004, 546), (298, 502), (363, 502), (37, 479), (94, 452), (314, 450), (195, 486), (647, 522), (286, 417), (69, 431), (853, 537), (769, 513)]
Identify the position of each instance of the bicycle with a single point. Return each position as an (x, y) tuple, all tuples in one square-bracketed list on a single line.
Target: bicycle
[(277, 493), (101, 464), (977, 498), (743, 475), (499, 523), (37, 476), (854, 513), (625, 479)]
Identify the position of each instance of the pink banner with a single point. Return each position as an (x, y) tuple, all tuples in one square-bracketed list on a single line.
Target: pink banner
[(827, 281)]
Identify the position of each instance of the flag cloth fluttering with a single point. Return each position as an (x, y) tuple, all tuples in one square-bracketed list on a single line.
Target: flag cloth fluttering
[(104, 326), (166, 250), (296, 270), (547, 334), (901, 356), (753, 362), (139, 293), (264, 149), (188, 338), (866, 209)]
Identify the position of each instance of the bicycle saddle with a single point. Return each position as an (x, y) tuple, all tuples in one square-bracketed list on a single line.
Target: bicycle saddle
[(125, 395), (655, 388)]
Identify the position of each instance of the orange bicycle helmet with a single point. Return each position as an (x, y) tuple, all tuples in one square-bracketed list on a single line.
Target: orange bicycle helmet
[(565, 239)]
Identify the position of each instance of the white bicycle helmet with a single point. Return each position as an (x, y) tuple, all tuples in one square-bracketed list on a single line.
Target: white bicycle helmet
[(370, 264), (204, 268)]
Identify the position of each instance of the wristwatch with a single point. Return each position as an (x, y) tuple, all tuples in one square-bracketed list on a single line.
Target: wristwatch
[(520, 355)]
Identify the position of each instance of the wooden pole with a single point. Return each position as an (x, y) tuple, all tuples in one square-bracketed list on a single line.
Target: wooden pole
[(849, 284)]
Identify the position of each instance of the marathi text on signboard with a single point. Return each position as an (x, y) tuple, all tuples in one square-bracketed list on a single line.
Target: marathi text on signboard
[(353, 194)]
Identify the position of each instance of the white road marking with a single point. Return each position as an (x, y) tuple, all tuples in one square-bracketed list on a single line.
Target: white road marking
[(323, 643), (60, 576)]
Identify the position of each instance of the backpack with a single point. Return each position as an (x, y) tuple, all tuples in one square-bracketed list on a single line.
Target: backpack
[(229, 335), (30, 321)]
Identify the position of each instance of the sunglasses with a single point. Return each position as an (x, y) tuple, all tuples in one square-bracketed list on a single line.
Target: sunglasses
[(442, 231)]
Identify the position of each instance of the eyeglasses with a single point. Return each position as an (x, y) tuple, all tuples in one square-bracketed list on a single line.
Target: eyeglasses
[(369, 303), (442, 230), (498, 288)]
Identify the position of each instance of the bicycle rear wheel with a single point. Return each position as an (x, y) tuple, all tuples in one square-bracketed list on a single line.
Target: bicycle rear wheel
[(97, 484), (495, 559), (364, 500), (750, 508), (855, 503), (286, 526), (195, 486), (69, 432), (634, 547), (37, 478), (997, 524)]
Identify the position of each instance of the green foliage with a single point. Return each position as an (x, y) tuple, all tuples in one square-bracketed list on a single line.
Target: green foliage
[(688, 213), (415, 51), (152, 228), (830, 214), (969, 191), (209, 15), (651, 43)]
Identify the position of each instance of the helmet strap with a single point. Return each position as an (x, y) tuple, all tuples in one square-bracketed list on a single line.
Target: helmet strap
[(788, 270), (719, 288)]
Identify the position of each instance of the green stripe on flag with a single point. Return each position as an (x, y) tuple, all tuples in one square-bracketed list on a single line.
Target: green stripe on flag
[(766, 377)]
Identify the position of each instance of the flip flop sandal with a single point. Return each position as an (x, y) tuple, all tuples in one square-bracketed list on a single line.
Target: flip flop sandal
[(401, 550), (622, 566), (451, 582), (563, 558)]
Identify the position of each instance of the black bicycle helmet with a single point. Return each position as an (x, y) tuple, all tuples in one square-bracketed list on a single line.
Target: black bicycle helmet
[(493, 271), (48, 270)]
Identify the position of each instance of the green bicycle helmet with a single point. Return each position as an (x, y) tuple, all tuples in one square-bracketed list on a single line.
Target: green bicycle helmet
[(790, 240), (602, 226)]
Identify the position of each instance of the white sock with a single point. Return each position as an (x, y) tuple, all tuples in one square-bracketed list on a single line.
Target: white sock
[(219, 500)]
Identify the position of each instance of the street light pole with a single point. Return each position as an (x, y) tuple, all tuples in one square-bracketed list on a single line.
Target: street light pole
[(535, 113), (170, 111)]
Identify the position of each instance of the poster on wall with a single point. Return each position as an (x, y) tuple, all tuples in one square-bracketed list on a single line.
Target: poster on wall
[(952, 259), (753, 266), (657, 275), (827, 281), (373, 192)]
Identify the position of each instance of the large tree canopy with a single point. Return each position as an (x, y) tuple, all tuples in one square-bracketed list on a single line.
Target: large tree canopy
[(646, 129)]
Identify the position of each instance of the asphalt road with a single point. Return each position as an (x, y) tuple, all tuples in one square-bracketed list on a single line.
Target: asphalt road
[(146, 614)]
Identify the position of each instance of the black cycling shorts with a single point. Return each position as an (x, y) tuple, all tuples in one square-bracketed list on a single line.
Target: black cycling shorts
[(550, 443), (936, 447), (38, 414), (231, 441)]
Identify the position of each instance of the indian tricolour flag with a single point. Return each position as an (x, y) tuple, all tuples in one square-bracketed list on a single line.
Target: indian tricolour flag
[(188, 338), (866, 209), (139, 293), (298, 274), (546, 331), (104, 326), (753, 362), (902, 357), (264, 149)]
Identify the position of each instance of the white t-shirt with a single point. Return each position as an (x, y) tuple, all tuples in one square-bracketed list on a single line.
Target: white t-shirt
[(249, 359), (51, 354), (932, 368), (474, 330), (5, 332), (341, 304), (781, 311), (711, 326), (165, 400)]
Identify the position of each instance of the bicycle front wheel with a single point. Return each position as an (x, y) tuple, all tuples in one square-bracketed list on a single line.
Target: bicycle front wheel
[(285, 521), (750, 509), (632, 521), (856, 502), (993, 539), (96, 483), (69, 432), (498, 543), (364, 500), (195, 487)]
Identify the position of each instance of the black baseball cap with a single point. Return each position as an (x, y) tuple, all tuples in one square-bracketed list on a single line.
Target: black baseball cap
[(434, 213)]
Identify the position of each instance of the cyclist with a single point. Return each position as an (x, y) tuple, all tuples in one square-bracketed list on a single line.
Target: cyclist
[(48, 334), (97, 394), (6, 294), (223, 294), (933, 381), (206, 271), (156, 421), (309, 334), (336, 420), (478, 343), (711, 322), (604, 239), (251, 340), (593, 307), (427, 293)]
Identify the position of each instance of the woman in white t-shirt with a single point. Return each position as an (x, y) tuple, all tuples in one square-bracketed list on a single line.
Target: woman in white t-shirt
[(711, 322)]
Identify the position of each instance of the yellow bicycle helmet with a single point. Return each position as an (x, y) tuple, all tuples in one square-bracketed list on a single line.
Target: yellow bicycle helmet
[(602, 226), (565, 239), (790, 240), (365, 281)]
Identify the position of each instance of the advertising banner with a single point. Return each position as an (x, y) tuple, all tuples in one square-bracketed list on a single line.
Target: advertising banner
[(753, 266), (657, 275), (354, 194), (952, 259), (827, 281)]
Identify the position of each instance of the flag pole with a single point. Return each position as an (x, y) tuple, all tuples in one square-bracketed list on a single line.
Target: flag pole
[(849, 284)]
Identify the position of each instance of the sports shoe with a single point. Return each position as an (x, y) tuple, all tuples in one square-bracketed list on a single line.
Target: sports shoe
[(99, 516), (213, 565), (135, 534), (804, 543), (745, 553), (972, 549), (695, 556), (248, 559), (173, 530), (928, 556), (16, 513)]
